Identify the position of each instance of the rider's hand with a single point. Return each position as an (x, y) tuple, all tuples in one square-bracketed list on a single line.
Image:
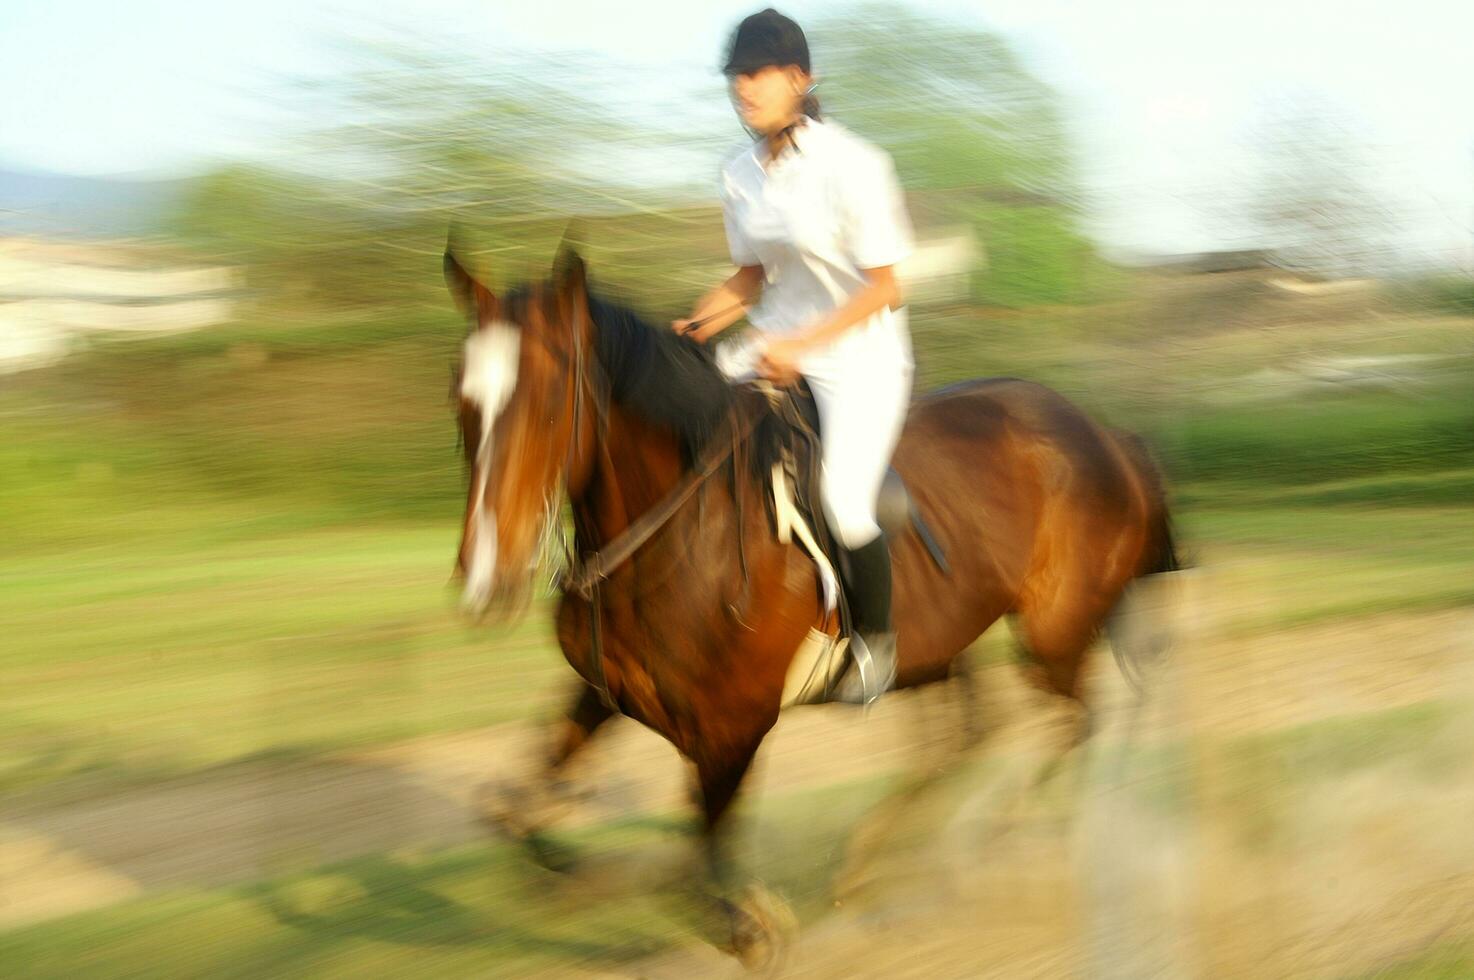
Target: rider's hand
[(779, 361), (700, 330)]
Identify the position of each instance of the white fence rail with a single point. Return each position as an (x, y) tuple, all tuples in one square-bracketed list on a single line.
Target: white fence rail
[(51, 294)]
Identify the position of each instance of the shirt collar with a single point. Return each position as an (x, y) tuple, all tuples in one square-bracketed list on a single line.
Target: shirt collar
[(806, 136)]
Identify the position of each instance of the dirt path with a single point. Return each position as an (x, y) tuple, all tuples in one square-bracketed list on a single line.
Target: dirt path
[(1375, 863), (258, 820), (1352, 873)]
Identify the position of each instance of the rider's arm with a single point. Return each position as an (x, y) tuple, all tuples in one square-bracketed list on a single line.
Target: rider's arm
[(881, 291), (724, 305), (730, 301), (876, 232)]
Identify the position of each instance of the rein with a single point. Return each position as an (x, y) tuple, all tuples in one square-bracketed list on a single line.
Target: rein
[(702, 321), (589, 571)]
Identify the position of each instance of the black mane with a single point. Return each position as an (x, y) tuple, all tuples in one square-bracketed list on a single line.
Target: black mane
[(665, 379)]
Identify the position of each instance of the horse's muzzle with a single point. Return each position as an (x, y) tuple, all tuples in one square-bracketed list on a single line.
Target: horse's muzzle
[(498, 603)]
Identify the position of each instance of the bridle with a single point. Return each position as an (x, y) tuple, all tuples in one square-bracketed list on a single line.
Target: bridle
[(584, 574)]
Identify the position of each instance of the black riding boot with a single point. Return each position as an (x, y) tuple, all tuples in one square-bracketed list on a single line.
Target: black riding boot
[(868, 586)]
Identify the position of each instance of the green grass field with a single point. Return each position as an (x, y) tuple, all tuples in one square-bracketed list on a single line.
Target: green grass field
[(193, 651), (160, 659), (234, 543)]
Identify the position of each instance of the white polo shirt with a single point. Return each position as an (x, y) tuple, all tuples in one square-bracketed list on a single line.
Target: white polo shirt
[(813, 219)]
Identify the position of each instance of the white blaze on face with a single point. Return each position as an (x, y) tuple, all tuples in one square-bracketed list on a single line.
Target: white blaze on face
[(487, 381)]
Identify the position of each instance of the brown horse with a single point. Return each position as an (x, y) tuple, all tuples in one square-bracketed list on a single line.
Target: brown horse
[(1042, 514)]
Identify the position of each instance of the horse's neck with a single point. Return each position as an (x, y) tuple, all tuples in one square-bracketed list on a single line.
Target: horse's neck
[(634, 465)]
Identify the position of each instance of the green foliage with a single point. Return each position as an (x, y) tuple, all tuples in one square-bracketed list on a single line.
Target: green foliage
[(357, 216), (1439, 294), (1438, 488), (296, 240), (955, 106), (421, 141), (1327, 439), (976, 133), (1034, 256), (360, 406)]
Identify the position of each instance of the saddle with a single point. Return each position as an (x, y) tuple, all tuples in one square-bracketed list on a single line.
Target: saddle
[(894, 512), (797, 513)]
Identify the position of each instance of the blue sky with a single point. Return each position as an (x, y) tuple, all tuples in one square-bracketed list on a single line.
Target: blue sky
[(1162, 92)]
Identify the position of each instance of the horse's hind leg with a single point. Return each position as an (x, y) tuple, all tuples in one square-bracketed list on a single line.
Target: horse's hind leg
[(525, 809), (1054, 639), (930, 793)]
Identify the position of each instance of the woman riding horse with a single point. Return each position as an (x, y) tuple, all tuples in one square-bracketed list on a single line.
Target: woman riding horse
[(816, 225), (684, 608)]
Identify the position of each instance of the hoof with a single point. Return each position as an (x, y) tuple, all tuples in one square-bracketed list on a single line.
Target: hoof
[(763, 931), (503, 808), (521, 815), (550, 855)]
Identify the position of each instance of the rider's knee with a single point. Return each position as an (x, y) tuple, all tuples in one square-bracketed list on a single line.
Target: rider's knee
[(854, 527)]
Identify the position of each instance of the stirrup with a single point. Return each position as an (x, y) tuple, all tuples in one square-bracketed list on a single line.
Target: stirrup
[(869, 676)]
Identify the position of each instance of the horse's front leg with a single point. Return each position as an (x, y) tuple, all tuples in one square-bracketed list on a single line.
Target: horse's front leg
[(761, 925), (524, 809)]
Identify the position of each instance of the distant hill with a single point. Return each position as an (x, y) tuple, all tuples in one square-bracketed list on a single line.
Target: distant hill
[(55, 205)]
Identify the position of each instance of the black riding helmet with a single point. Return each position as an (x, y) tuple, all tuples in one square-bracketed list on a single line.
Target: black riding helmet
[(766, 38)]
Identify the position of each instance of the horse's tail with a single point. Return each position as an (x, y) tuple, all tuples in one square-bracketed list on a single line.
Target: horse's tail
[(1140, 626), (1164, 553), (1161, 553)]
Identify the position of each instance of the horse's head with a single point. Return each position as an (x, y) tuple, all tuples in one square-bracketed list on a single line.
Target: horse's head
[(520, 408)]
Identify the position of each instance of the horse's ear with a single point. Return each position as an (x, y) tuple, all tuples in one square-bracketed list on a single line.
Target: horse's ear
[(470, 295), (570, 276)]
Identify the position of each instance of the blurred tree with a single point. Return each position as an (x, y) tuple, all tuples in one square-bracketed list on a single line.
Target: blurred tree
[(955, 106), (294, 239), (1316, 201), (356, 212), (974, 133), (422, 135)]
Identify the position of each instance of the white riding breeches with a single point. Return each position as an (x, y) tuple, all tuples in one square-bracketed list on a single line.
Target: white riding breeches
[(862, 403)]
